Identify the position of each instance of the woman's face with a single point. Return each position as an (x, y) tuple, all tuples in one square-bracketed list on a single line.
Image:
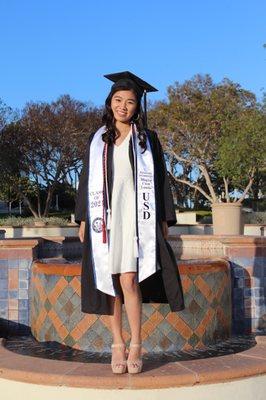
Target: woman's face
[(124, 104)]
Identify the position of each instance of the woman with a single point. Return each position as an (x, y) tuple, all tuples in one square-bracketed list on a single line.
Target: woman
[(124, 207)]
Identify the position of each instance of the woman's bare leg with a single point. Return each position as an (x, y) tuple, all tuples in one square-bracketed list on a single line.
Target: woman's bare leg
[(118, 353), (116, 319), (133, 305)]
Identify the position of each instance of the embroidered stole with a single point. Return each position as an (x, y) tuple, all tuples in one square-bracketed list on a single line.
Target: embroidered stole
[(145, 202)]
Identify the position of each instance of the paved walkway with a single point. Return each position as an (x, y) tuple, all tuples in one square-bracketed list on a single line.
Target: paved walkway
[(24, 360)]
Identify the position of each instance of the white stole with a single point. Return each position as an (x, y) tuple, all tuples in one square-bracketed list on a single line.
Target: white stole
[(145, 212)]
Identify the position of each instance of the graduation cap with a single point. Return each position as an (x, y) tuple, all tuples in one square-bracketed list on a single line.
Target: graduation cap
[(127, 79)]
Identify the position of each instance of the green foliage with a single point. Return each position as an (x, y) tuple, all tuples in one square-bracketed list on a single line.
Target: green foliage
[(45, 147), (13, 186), (218, 130), (19, 221), (242, 146), (255, 218)]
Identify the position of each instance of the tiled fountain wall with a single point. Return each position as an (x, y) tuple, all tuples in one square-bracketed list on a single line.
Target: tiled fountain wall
[(16, 258), (206, 319), (247, 256)]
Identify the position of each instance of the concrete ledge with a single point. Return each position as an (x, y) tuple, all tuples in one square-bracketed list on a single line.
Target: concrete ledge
[(190, 228), (244, 389), (185, 267), (155, 375), (18, 243)]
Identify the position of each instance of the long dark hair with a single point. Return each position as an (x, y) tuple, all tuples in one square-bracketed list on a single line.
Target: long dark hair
[(110, 135)]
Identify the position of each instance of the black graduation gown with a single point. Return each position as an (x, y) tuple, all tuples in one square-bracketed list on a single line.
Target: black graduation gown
[(164, 286)]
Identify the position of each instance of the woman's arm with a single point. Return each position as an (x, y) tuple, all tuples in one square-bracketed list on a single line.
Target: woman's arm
[(82, 231), (165, 229)]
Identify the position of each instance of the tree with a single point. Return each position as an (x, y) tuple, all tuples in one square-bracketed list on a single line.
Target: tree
[(7, 157), (217, 129), (49, 142), (6, 115), (241, 151)]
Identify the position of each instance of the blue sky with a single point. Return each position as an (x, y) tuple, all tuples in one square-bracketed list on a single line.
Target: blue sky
[(49, 48)]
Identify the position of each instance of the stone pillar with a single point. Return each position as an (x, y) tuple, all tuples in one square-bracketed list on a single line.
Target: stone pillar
[(16, 257)]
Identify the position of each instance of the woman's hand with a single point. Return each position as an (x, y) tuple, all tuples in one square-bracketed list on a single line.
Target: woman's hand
[(82, 231), (165, 229)]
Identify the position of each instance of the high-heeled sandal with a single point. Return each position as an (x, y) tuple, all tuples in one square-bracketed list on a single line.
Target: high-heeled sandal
[(119, 367), (134, 367)]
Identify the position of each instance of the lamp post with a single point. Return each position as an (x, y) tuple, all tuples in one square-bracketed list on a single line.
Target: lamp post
[(20, 201), (9, 201), (56, 202)]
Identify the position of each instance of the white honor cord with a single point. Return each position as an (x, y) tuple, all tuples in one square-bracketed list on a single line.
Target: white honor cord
[(136, 244)]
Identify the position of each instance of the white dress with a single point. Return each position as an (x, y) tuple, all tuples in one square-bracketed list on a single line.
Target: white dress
[(122, 232)]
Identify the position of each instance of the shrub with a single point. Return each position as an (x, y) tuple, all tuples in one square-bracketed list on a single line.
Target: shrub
[(19, 221)]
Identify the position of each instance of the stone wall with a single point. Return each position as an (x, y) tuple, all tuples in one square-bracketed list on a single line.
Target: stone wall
[(16, 257), (248, 271)]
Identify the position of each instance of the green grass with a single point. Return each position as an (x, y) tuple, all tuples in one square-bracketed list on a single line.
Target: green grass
[(63, 214)]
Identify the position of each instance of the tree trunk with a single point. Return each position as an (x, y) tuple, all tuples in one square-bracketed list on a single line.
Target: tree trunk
[(31, 208), (196, 200), (39, 203), (247, 187), (226, 189), (48, 200)]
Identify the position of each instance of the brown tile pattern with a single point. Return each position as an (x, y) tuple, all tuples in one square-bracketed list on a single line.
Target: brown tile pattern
[(56, 315)]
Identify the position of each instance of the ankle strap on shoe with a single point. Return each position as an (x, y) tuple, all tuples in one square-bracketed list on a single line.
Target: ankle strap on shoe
[(118, 345)]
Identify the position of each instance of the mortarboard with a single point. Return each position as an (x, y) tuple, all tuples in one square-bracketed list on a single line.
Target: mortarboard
[(127, 79)]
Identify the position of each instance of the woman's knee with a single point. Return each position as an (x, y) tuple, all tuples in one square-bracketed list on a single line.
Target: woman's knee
[(128, 282)]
